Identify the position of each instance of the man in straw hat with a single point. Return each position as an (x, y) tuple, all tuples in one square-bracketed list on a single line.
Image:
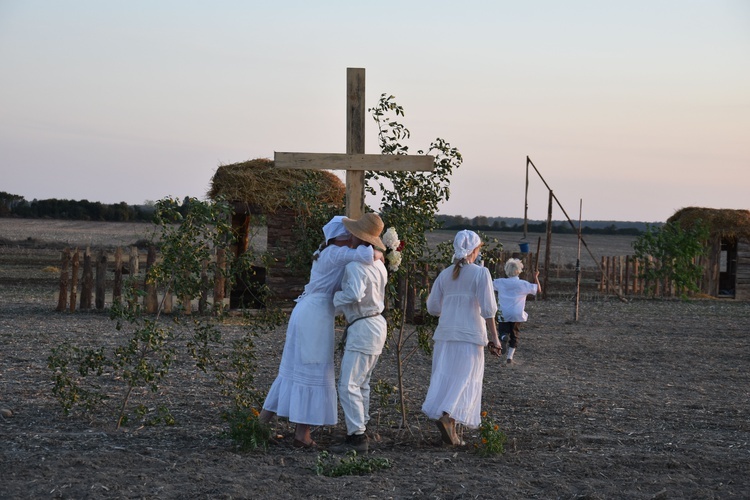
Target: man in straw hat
[(362, 300)]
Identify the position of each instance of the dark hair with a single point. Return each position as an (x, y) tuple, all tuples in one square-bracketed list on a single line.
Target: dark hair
[(321, 247)]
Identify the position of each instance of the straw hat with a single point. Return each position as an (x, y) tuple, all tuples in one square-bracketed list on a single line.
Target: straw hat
[(367, 228)]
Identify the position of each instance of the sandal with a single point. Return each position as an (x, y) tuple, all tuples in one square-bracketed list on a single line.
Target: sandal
[(447, 430), (494, 349), (301, 444)]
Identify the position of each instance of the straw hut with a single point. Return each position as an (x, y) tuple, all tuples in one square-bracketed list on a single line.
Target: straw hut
[(258, 190), (727, 265)]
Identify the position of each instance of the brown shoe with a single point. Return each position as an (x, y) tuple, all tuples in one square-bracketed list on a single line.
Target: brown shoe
[(357, 442)]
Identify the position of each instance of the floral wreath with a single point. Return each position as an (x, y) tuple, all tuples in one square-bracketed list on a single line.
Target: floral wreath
[(393, 247)]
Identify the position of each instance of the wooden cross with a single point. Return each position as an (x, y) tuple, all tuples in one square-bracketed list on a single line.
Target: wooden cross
[(355, 162)]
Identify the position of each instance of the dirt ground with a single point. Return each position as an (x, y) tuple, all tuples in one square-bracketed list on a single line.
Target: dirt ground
[(645, 399)]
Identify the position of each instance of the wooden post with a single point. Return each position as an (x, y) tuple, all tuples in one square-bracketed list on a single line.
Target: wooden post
[(74, 280), (87, 284), (627, 274), (355, 140), (101, 279), (62, 300), (117, 286), (134, 262), (548, 248)]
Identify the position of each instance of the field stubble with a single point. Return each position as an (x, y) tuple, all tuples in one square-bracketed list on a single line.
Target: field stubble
[(640, 399)]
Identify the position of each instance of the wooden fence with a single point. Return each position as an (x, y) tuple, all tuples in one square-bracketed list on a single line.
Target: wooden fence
[(85, 280), (81, 272)]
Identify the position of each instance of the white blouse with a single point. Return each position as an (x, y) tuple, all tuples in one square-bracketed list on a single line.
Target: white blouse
[(463, 304)]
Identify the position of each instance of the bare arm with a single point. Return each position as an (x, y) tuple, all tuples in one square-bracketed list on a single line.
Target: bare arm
[(536, 282)]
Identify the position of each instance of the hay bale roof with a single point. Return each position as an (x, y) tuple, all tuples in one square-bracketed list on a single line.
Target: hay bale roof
[(257, 182), (725, 223)]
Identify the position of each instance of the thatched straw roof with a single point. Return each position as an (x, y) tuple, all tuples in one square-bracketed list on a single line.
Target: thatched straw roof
[(257, 182), (725, 223)]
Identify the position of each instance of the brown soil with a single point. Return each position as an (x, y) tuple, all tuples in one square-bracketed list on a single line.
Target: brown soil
[(646, 399)]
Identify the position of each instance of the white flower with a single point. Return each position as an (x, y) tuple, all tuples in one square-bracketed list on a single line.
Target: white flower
[(393, 259), (390, 239)]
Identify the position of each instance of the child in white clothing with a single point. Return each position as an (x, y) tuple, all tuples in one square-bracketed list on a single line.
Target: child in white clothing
[(511, 302)]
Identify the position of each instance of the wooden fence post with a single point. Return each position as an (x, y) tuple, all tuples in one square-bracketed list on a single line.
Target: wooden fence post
[(62, 300), (74, 280), (134, 262), (101, 279), (627, 274), (117, 287), (87, 284)]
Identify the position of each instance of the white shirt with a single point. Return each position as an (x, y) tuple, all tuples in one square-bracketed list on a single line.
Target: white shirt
[(327, 270), (511, 297), (463, 304), (363, 294)]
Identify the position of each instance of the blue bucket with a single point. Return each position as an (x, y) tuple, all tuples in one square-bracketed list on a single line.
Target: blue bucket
[(524, 247)]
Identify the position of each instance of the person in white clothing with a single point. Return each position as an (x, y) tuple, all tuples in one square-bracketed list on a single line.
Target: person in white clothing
[(463, 298), (511, 299), (361, 300), (305, 387)]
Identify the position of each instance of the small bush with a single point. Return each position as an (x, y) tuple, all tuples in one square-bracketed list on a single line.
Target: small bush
[(247, 432), (492, 439)]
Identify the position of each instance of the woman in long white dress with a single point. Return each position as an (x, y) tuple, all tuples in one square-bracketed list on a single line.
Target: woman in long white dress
[(305, 388), (463, 297)]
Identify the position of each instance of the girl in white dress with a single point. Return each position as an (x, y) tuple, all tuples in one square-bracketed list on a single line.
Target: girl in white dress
[(463, 297)]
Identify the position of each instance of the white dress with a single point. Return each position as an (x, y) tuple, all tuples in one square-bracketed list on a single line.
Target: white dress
[(463, 305), (305, 388)]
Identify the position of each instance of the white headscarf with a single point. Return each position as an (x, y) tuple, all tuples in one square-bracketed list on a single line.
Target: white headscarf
[(335, 228), (464, 243)]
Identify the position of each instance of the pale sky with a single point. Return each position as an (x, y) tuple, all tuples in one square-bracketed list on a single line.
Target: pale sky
[(638, 108)]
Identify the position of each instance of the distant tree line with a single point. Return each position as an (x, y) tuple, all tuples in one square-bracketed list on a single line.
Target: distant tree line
[(482, 223), (12, 205)]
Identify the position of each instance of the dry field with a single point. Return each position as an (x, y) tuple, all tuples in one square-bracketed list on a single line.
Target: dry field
[(641, 399)]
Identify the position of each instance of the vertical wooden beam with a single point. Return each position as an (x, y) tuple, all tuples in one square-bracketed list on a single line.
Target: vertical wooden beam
[(117, 286), (87, 284), (62, 300), (74, 280), (548, 246), (355, 140), (101, 279)]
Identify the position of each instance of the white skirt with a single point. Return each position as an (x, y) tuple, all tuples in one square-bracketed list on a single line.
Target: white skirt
[(305, 388), (456, 382)]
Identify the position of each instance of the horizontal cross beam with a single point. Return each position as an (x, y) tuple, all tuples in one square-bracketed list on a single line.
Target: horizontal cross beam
[(341, 161)]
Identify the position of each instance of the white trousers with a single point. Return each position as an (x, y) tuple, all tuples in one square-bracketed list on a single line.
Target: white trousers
[(354, 389)]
